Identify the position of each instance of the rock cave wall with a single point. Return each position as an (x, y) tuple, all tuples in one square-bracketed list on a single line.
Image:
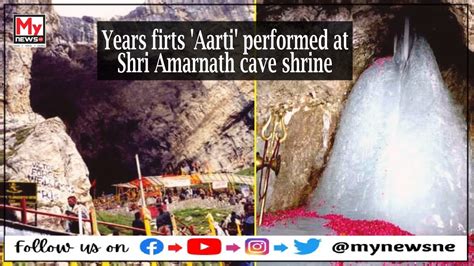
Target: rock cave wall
[(162, 121), (65, 128), (311, 127), (38, 149)]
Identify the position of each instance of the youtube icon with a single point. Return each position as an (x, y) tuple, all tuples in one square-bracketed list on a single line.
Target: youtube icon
[(204, 246)]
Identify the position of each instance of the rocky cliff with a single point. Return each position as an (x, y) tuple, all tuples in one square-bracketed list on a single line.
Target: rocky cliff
[(65, 128), (109, 121), (165, 122), (38, 150)]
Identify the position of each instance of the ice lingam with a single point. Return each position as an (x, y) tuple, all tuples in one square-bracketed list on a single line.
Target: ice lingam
[(400, 152)]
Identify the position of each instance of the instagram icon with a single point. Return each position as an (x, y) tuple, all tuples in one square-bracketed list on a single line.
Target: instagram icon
[(257, 246)]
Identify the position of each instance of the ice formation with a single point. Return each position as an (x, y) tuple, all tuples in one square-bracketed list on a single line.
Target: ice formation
[(400, 150)]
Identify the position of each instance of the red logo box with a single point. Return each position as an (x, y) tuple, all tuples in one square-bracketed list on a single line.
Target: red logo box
[(29, 30), (204, 246)]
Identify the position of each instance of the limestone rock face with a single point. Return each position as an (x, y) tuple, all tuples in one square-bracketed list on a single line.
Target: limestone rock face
[(168, 122), (462, 12), (311, 126), (110, 121), (38, 150), (41, 151), (18, 60), (162, 121), (77, 30), (195, 13)]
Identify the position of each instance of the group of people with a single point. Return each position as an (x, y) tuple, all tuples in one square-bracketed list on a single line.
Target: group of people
[(233, 197), (185, 193), (232, 225), (243, 223), (163, 222)]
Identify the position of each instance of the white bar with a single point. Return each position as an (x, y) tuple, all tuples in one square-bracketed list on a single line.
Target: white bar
[(139, 171), (351, 248), (79, 215)]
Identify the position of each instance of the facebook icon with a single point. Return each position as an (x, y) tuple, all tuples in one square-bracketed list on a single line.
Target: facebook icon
[(151, 246)]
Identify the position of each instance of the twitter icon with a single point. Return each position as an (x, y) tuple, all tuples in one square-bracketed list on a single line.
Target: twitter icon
[(306, 248)]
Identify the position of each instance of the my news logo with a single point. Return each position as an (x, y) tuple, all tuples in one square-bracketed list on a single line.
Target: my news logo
[(29, 30)]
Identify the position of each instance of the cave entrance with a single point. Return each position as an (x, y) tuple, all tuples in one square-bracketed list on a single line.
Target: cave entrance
[(164, 122), (64, 87)]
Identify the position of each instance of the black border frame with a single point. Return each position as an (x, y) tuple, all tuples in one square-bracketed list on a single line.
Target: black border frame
[(5, 5)]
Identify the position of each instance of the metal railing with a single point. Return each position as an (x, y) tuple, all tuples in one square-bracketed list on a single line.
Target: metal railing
[(24, 212)]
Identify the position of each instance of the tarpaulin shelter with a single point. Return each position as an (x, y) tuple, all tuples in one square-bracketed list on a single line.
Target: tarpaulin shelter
[(153, 184), (148, 181), (124, 185), (161, 181), (176, 181), (128, 189), (187, 180), (220, 180), (229, 177)]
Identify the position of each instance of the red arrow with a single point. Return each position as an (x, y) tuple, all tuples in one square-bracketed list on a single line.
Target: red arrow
[(232, 247), (174, 247)]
